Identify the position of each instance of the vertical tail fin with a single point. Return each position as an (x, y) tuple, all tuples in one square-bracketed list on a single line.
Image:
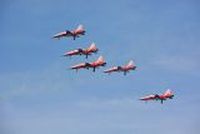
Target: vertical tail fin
[(92, 46), (168, 92), (100, 59), (80, 28), (131, 63)]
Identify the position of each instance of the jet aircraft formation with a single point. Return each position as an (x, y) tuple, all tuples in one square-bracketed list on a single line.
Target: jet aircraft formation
[(100, 62)]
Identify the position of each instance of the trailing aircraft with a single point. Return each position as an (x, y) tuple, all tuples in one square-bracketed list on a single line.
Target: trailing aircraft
[(162, 97)]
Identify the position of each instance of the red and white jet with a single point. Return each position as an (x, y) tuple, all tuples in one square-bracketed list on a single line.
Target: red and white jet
[(126, 68), (88, 51), (166, 95), (99, 62), (71, 33)]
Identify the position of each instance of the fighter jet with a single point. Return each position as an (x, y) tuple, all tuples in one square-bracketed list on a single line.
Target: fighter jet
[(88, 51), (166, 95), (71, 33), (126, 68), (99, 62)]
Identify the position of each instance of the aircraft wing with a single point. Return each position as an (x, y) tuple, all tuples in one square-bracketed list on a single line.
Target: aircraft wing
[(69, 33), (112, 69)]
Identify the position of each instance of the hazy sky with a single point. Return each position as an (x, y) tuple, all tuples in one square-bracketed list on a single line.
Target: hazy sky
[(40, 95)]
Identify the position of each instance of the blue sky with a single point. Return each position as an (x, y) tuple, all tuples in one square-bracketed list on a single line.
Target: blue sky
[(39, 94)]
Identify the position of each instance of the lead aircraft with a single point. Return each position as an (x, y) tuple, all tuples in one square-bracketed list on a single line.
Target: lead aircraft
[(71, 33)]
